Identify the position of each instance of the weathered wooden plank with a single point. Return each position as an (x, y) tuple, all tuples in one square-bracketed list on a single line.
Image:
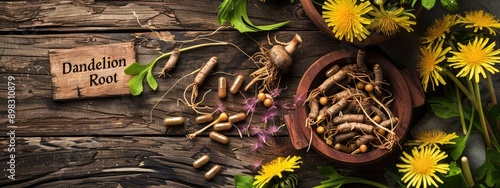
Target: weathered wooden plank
[(118, 15), (26, 58), (149, 161)]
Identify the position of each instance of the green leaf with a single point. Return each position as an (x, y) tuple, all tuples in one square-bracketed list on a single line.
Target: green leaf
[(450, 5), (459, 146), (443, 107), (135, 83), (242, 181), (235, 11), (135, 68), (454, 178), (491, 164), (428, 4), (151, 80)]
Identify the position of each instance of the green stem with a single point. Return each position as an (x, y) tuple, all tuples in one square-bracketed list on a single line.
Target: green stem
[(481, 116), (460, 110), (457, 82), (186, 49), (492, 90)]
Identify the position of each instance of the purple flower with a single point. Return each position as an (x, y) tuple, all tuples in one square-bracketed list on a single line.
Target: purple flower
[(250, 104), (270, 114), (273, 129)]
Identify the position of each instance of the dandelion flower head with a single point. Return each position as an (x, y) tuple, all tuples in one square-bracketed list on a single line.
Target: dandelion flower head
[(276, 168), (479, 20), (433, 137), (420, 168), (389, 21), (475, 57), (428, 66), (347, 18), (437, 31)]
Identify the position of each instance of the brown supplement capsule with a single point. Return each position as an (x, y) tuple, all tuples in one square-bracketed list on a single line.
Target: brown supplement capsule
[(204, 118), (238, 81), (173, 121), (222, 87), (224, 126), (330, 72), (219, 137), (201, 161), (212, 172), (237, 117)]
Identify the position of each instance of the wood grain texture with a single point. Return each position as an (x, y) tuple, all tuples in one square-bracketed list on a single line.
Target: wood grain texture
[(148, 161), (89, 15), (26, 57)]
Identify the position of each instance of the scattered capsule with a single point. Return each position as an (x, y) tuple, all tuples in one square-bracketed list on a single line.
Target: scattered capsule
[(330, 72), (169, 121), (224, 126), (212, 172), (219, 137), (238, 81), (222, 87), (237, 117), (201, 161), (204, 118)]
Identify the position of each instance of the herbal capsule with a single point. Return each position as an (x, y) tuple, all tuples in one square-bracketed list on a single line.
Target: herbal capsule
[(238, 81), (173, 121), (219, 137), (212, 172), (224, 126), (237, 117), (201, 161), (222, 87), (330, 72), (204, 118)]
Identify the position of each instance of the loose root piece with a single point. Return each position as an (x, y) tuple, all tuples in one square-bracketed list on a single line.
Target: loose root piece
[(276, 61)]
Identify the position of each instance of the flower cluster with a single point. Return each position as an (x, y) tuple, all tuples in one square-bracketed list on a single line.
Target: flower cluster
[(355, 19), (457, 49)]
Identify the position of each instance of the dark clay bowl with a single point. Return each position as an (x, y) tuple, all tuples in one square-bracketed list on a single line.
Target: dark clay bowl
[(315, 75)]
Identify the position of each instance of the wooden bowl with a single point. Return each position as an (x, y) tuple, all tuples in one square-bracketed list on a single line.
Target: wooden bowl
[(314, 14), (315, 75)]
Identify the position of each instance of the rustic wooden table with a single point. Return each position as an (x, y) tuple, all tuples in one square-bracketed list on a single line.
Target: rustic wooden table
[(107, 142)]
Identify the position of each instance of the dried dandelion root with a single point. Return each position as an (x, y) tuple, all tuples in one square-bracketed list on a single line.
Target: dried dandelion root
[(171, 62), (276, 61), (198, 80), (356, 119)]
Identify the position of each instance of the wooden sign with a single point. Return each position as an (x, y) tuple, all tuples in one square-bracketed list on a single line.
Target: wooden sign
[(91, 71)]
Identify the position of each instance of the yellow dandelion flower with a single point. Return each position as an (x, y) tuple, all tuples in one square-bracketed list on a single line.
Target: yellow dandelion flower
[(433, 137), (420, 168), (275, 168), (428, 66), (389, 21), (474, 57), (480, 19), (437, 31), (347, 18)]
